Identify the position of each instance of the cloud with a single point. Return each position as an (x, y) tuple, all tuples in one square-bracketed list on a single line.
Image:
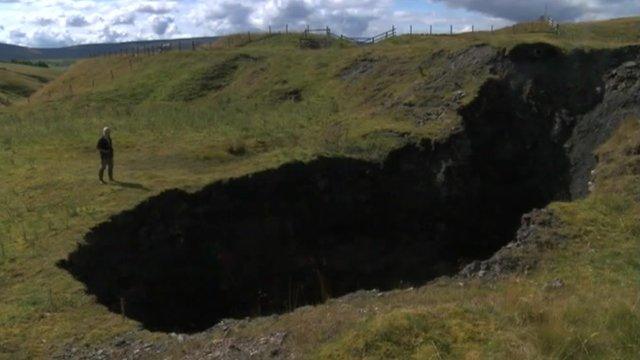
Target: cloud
[(348, 16), (44, 21), (91, 21), (124, 19), (563, 10), (162, 25), (49, 39), (154, 9), (17, 36), (227, 17), (77, 21), (109, 35)]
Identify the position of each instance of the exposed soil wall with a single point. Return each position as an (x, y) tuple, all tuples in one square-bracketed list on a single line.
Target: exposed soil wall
[(282, 238)]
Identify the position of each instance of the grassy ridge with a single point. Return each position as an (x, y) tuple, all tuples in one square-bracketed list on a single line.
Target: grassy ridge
[(18, 82), (180, 120)]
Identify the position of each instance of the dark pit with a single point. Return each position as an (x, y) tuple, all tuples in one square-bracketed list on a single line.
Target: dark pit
[(279, 239)]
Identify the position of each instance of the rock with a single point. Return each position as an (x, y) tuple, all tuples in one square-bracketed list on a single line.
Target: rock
[(630, 64), (535, 235), (555, 284), (120, 343), (458, 95)]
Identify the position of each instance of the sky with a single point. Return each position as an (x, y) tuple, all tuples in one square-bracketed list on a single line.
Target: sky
[(56, 23)]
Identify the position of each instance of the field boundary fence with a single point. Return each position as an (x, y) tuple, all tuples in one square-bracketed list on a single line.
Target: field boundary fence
[(544, 25)]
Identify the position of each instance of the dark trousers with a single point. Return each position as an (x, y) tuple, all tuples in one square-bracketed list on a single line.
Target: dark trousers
[(107, 163)]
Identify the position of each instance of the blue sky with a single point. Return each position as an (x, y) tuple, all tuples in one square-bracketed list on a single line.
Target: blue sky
[(52, 23)]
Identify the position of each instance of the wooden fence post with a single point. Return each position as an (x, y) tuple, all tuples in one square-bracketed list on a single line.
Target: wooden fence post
[(193, 45), (410, 29), (286, 29), (473, 28), (450, 29), (492, 29), (328, 32), (269, 29), (430, 29), (249, 35)]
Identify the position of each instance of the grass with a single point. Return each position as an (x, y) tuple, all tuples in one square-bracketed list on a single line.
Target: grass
[(596, 315), (18, 82), (185, 119)]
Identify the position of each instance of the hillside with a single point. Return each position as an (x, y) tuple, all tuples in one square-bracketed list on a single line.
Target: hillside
[(10, 52), (18, 82), (265, 190)]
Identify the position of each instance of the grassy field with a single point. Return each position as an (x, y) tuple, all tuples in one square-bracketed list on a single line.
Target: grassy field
[(18, 82), (187, 119)]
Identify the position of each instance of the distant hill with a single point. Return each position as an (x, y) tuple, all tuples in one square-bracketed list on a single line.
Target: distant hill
[(9, 52), (19, 81)]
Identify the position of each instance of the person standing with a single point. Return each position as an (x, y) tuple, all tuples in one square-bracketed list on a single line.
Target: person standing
[(105, 146)]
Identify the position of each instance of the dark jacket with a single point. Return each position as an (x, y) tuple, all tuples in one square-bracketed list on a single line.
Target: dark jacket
[(105, 146)]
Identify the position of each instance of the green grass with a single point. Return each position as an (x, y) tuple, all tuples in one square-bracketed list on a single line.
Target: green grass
[(177, 119), (595, 316), (18, 82)]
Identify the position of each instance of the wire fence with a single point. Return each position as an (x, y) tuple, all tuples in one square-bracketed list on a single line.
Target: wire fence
[(243, 39)]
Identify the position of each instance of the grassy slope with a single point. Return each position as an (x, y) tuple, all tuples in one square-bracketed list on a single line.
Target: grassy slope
[(50, 198), (596, 315), (18, 82)]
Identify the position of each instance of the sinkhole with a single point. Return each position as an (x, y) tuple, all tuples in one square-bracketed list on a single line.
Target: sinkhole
[(304, 232)]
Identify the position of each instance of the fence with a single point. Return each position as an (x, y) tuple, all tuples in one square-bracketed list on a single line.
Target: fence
[(542, 26), (545, 25), (235, 40)]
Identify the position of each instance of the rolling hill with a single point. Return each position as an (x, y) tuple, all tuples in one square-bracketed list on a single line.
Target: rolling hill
[(18, 82), (10, 52)]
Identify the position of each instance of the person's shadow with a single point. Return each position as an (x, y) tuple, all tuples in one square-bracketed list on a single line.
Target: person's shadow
[(130, 185)]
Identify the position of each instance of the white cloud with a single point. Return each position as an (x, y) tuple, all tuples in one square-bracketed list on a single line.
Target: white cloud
[(68, 22), (76, 21), (44, 21), (124, 19), (17, 35), (162, 25), (521, 10), (157, 9), (46, 38), (109, 35)]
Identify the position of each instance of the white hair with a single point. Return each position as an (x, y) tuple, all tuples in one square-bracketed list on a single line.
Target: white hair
[(105, 130)]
